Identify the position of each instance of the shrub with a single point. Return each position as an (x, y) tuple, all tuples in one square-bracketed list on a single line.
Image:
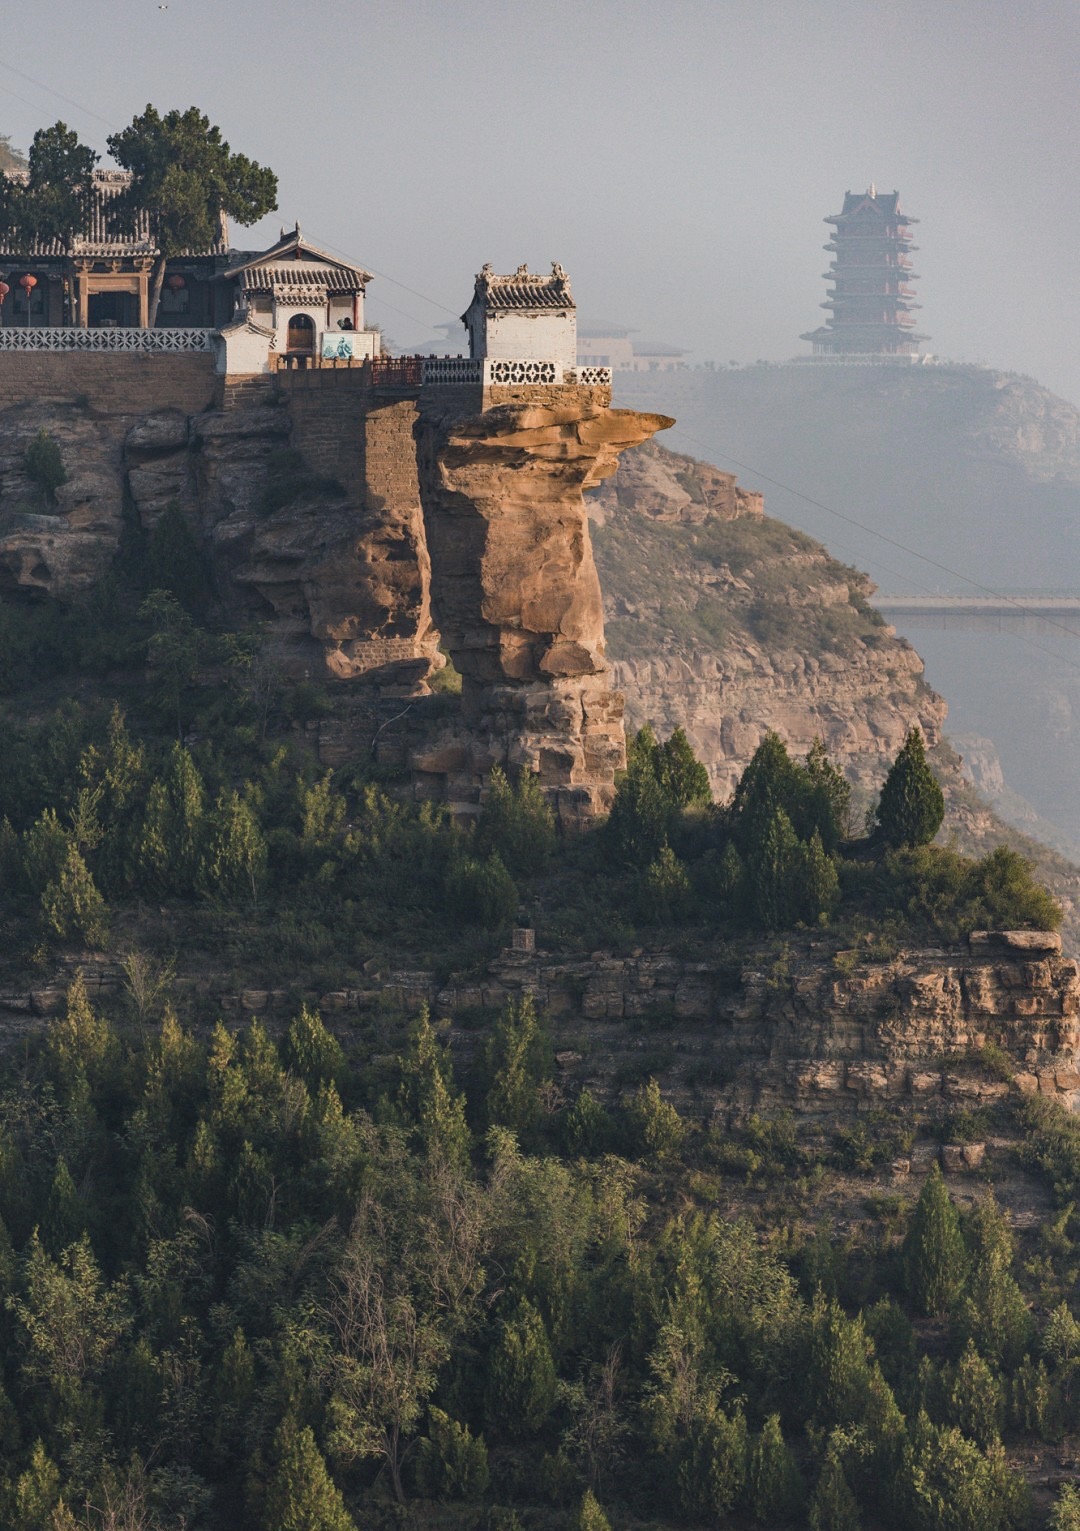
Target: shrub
[(44, 465), (517, 823), (480, 892), (451, 1462), (653, 1126)]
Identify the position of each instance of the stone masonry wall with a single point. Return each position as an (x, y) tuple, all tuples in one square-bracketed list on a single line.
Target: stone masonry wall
[(119, 383)]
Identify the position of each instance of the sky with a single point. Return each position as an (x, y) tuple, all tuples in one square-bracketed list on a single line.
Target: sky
[(677, 159)]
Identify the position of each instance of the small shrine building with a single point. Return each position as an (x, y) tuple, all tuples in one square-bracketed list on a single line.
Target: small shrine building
[(525, 316)]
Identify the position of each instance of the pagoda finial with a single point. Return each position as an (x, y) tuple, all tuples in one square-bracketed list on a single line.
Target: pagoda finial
[(873, 191)]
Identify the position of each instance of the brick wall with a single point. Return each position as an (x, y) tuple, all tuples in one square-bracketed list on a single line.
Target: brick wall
[(117, 383)]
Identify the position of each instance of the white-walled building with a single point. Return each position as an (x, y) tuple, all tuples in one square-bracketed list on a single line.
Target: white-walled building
[(523, 317), (298, 302)]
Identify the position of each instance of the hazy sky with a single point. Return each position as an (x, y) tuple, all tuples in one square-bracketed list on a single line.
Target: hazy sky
[(677, 158)]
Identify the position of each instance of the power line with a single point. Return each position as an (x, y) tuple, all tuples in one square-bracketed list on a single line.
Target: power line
[(79, 107), (881, 536)]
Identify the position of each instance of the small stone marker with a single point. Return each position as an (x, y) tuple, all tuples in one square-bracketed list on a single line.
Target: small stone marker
[(523, 939)]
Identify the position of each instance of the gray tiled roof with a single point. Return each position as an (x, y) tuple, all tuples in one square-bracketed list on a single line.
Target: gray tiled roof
[(95, 238)]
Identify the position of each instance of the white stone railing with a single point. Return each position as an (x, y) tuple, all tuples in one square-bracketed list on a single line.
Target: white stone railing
[(56, 339), (588, 375), (488, 370)]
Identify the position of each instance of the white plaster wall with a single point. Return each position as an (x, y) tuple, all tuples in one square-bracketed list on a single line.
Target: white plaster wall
[(241, 353), (316, 312), (537, 336)]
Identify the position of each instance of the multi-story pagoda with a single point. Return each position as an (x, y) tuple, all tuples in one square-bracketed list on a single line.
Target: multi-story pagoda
[(872, 299)]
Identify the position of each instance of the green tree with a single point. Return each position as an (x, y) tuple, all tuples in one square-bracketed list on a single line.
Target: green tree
[(947, 1484), (427, 1099), (833, 1506), (935, 1258), (815, 881), (184, 177), (712, 1475), (301, 1495), (774, 1489), (169, 844), (521, 1383), (1065, 1514), (772, 869), (174, 563), (520, 1063), (480, 892), (52, 205), (173, 653), (682, 777), (590, 1516), (37, 1492), (653, 1125), (640, 817), (72, 905), (44, 466), (451, 1462), (976, 1399), (828, 798), (912, 805), (517, 823), (312, 1052), (993, 1311), (233, 865), (665, 889)]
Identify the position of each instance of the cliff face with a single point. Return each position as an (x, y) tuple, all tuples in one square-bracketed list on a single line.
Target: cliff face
[(516, 594), (444, 505), (727, 624)]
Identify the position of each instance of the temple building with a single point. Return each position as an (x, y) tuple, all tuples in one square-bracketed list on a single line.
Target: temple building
[(871, 299), (523, 317), (101, 278)]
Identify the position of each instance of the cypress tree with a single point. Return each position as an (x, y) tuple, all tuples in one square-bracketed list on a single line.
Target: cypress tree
[(301, 1495), (912, 805), (774, 1485), (935, 1259), (833, 1506), (521, 1375), (590, 1517), (233, 865)]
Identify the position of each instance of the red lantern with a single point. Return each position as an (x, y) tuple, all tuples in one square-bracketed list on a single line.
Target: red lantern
[(4, 289), (28, 283), (177, 283)]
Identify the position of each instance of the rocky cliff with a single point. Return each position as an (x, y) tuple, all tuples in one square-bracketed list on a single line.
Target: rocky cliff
[(453, 513), (728, 624)]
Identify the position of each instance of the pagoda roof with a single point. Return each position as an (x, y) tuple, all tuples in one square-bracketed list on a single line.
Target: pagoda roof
[(603, 329), (295, 262), (96, 239), (886, 204), (522, 289)]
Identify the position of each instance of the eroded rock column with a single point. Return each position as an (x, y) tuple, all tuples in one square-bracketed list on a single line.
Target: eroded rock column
[(515, 593)]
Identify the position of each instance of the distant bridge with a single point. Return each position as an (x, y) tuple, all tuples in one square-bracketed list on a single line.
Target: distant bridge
[(1028, 605)]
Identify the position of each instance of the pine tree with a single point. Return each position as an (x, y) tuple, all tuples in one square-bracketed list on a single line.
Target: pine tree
[(427, 1099), (65, 1217), (521, 1376), (169, 844), (815, 881), (833, 1506), (772, 867), (233, 865), (774, 1486), (641, 814), (976, 1399), (935, 1259), (310, 1051), (301, 1495), (590, 1517), (912, 805), (681, 775), (1065, 1515), (73, 906), (517, 822), (520, 1062), (37, 1492), (451, 1462)]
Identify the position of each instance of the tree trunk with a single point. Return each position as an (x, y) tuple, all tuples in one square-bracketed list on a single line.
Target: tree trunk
[(157, 281)]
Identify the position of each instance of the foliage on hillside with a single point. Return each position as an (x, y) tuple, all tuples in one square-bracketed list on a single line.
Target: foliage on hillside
[(246, 1285)]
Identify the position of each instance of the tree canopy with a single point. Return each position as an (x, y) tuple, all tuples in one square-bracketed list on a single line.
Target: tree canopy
[(184, 176)]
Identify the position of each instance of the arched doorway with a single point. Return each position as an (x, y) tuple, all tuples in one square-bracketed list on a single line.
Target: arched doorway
[(300, 336)]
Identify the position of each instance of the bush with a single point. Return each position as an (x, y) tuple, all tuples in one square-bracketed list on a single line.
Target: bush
[(653, 1126), (480, 892), (516, 823), (44, 465), (451, 1462)]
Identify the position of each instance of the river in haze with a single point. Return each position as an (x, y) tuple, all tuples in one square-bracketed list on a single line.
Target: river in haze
[(1016, 683)]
